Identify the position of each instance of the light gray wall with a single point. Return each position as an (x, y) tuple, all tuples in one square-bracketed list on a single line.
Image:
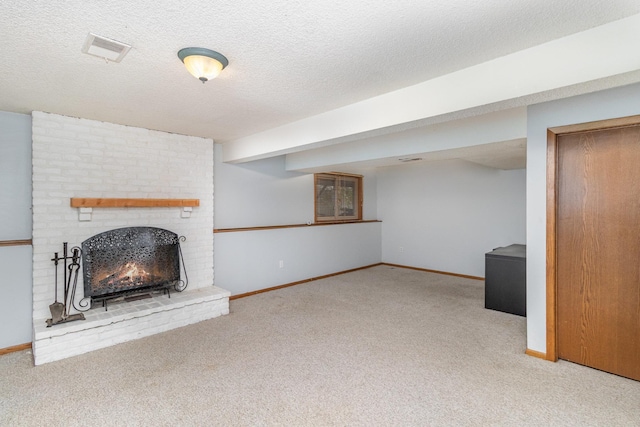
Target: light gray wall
[(263, 193), (15, 288), (249, 261), (613, 103), (15, 224), (15, 176), (260, 193), (445, 215)]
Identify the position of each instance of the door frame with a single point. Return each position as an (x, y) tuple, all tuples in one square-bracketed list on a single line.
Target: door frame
[(552, 175)]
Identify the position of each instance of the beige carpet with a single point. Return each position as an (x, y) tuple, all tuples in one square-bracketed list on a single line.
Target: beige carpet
[(377, 347)]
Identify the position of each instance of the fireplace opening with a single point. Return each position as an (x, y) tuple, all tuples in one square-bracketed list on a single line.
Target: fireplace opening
[(130, 261)]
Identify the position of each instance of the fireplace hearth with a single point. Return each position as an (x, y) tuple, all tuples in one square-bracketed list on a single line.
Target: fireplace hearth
[(131, 261)]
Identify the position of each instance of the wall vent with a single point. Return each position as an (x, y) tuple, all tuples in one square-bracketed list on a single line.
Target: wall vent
[(410, 159), (106, 48)]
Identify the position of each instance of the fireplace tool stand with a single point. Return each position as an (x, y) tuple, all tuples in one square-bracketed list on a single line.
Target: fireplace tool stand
[(60, 310)]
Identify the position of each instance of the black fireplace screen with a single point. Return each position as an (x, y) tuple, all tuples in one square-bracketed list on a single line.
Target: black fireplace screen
[(130, 260)]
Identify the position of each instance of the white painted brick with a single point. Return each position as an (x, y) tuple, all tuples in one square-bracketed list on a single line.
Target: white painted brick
[(57, 178), (61, 133)]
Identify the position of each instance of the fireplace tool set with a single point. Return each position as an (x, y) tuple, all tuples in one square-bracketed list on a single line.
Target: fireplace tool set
[(128, 263), (60, 310)]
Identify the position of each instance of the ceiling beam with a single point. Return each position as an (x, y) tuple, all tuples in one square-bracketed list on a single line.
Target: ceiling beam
[(385, 150)]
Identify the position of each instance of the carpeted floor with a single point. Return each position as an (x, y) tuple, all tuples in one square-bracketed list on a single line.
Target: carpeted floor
[(376, 347)]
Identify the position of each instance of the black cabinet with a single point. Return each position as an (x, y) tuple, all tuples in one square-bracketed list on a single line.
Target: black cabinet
[(505, 285)]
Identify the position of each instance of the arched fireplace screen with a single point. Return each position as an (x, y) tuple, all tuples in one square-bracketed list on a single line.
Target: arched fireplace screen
[(131, 260)]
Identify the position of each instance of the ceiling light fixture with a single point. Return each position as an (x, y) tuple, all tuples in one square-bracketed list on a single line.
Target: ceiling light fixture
[(204, 64)]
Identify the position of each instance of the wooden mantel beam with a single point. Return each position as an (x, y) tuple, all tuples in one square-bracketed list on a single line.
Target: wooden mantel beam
[(84, 202)]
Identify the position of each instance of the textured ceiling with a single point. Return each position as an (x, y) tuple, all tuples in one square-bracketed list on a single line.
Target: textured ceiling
[(288, 60)]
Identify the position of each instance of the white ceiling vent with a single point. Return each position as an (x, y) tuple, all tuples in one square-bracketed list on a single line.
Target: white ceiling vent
[(103, 47)]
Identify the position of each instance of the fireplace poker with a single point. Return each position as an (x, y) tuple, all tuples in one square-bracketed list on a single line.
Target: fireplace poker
[(66, 285)]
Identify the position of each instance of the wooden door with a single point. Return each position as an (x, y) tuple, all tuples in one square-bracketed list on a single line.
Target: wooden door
[(598, 249)]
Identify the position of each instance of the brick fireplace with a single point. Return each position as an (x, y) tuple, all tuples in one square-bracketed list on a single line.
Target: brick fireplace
[(75, 158)]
